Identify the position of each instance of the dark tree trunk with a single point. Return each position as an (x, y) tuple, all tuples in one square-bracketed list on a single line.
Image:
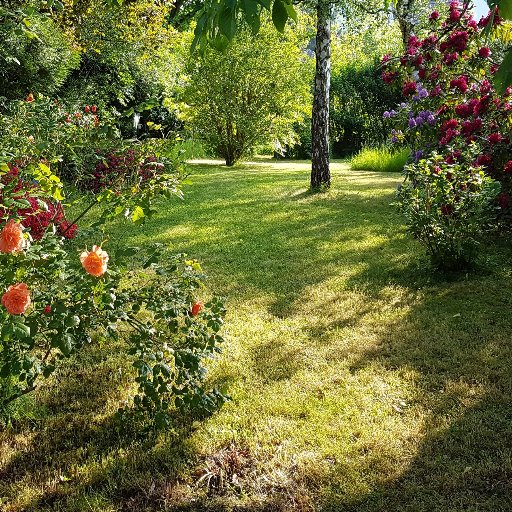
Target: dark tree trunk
[(320, 172)]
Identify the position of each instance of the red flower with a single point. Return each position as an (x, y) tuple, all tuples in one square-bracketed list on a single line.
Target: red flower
[(464, 110), (508, 167), (481, 105), (47, 309), (495, 138), (409, 88), (446, 209), (460, 83), (196, 308), (87, 109), (436, 91), (484, 160), (485, 87), (484, 52), (458, 40), (504, 201), (434, 16), (94, 108), (389, 76), (450, 124), (450, 58)]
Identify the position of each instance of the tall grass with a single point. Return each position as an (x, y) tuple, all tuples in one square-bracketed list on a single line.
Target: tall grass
[(380, 160)]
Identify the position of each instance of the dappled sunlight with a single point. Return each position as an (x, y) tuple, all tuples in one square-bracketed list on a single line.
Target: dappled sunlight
[(354, 372)]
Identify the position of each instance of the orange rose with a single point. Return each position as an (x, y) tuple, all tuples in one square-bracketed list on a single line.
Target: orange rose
[(29, 98), (95, 261), (197, 307), (11, 237), (16, 299)]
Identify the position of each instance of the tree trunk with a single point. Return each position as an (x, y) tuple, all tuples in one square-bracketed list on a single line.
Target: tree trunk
[(403, 13), (320, 172)]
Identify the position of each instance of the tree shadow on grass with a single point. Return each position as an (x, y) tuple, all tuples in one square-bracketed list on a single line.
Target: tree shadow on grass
[(278, 240), (457, 340), (80, 448)]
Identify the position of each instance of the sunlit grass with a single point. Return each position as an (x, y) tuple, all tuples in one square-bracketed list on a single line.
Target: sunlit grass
[(360, 381), (380, 160)]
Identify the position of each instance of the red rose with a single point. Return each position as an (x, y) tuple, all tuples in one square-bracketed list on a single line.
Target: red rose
[(196, 308)]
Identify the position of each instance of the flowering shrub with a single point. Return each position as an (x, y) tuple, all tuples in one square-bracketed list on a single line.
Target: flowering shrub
[(38, 213), (55, 300), (458, 129), (447, 208), (117, 168), (41, 129)]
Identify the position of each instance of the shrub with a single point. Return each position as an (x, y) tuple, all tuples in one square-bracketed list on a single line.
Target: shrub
[(55, 302), (36, 56), (447, 206), (380, 160), (358, 97), (452, 115), (24, 199), (252, 95)]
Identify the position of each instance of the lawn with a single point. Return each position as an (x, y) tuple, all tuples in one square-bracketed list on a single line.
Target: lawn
[(360, 380)]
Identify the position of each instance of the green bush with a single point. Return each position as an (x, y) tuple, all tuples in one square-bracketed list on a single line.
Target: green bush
[(358, 99), (448, 208), (35, 59), (380, 160)]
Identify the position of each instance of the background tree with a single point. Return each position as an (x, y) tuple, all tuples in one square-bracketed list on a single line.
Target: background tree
[(251, 95)]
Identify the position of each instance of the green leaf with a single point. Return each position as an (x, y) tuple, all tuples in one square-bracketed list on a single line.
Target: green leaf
[(20, 330), (503, 77), (264, 3), (137, 215), (227, 23), (279, 15), (290, 10), (504, 6), (249, 7)]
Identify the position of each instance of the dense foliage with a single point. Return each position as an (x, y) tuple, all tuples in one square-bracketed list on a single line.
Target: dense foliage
[(458, 129), (253, 94), (358, 98)]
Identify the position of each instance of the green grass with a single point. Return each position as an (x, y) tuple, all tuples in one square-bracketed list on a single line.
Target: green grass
[(379, 160), (361, 381)]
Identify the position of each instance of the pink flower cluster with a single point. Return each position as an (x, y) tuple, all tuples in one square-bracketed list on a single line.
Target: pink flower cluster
[(452, 67)]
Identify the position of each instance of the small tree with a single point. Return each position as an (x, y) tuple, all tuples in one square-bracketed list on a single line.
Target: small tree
[(251, 95)]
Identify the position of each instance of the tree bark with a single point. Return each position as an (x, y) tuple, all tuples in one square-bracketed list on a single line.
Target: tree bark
[(320, 172)]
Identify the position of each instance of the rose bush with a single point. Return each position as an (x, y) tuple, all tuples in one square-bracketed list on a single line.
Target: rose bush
[(458, 129), (55, 299)]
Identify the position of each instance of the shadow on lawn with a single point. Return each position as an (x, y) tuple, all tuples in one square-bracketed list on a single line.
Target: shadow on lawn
[(80, 445), (460, 346), (258, 239)]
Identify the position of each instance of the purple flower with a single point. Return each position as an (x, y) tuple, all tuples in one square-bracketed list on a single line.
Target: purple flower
[(422, 93), (419, 121), (418, 155), (431, 119), (412, 123), (386, 115)]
